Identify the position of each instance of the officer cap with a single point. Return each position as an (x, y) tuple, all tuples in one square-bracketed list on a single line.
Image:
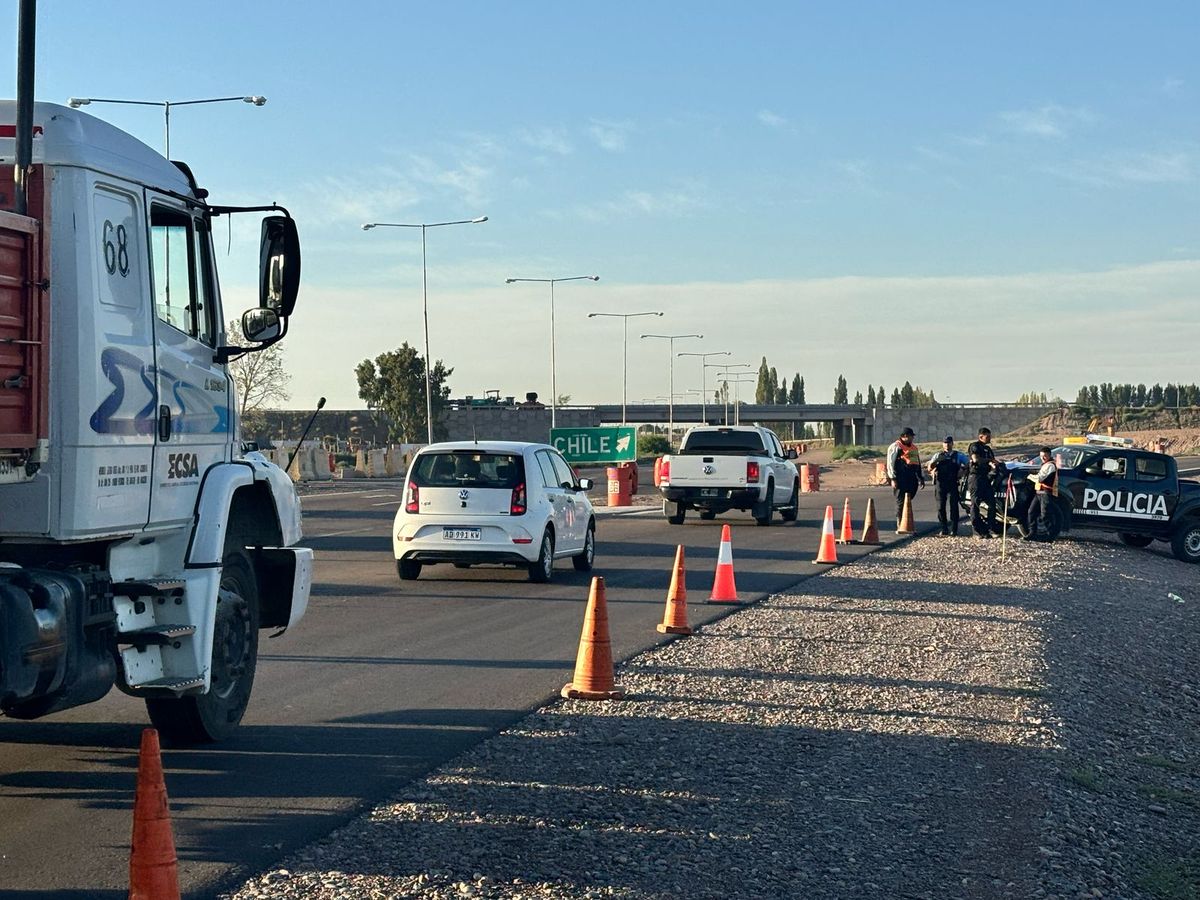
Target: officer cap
[(908, 432), (948, 439)]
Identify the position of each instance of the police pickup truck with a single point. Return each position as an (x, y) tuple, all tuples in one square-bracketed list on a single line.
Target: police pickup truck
[(1107, 485), (723, 468)]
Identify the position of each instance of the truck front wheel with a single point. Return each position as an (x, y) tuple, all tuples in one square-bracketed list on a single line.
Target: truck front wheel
[(214, 716), (1185, 542)]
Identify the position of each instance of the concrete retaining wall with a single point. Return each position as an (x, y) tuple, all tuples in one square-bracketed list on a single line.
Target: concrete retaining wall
[(962, 422), (509, 423)]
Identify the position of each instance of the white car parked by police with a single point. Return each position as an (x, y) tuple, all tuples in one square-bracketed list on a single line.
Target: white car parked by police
[(493, 502)]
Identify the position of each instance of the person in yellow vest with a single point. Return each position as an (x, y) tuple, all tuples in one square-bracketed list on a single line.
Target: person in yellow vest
[(1045, 489)]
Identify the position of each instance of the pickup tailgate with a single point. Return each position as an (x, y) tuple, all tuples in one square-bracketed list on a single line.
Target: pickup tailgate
[(707, 471)]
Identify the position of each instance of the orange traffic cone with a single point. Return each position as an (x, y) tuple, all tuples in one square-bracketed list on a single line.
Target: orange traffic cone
[(594, 665), (675, 619), (152, 870), (724, 590), (847, 526), (828, 550), (905, 525), (870, 526)]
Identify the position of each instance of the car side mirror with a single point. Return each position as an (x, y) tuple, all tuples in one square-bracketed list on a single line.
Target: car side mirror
[(585, 484), (278, 265), (261, 324), (792, 454)]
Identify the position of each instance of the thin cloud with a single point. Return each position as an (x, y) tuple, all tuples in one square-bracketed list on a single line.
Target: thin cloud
[(667, 202), (1130, 168), (937, 156), (547, 140), (771, 119), (610, 136), (1048, 121)]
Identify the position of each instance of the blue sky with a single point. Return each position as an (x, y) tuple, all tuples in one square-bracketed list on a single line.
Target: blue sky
[(857, 189)]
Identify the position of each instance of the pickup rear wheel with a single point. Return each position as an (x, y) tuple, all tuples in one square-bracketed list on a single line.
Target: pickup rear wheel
[(1185, 542), (213, 716), (762, 511), (791, 512), (1136, 540), (675, 512)]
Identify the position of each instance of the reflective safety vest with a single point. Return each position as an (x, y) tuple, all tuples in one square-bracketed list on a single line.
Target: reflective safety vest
[(910, 454), (1051, 486)]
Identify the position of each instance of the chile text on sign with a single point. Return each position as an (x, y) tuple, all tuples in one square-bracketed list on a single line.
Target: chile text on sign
[(596, 445)]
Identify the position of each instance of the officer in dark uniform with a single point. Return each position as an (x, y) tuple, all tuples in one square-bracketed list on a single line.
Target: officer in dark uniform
[(946, 466), (983, 466)]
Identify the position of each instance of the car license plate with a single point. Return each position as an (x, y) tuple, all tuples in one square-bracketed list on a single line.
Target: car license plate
[(709, 492), (461, 534)]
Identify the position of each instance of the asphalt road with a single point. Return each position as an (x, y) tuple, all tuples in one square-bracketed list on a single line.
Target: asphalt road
[(380, 683)]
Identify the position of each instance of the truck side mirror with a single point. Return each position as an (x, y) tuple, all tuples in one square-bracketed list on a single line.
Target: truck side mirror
[(261, 324), (278, 266)]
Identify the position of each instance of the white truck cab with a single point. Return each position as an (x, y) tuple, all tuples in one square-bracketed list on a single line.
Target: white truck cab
[(137, 545)]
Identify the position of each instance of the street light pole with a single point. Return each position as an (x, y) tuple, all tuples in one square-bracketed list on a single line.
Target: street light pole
[(727, 367), (425, 303), (553, 367), (704, 367), (737, 399), (625, 345), (76, 102), (671, 379)]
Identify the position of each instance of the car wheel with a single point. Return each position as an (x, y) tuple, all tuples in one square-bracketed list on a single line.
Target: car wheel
[(674, 512), (1185, 542), (213, 716), (584, 560), (707, 514), (1136, 540), (762, 511), (791, 512), (542, 569), (409, 570)]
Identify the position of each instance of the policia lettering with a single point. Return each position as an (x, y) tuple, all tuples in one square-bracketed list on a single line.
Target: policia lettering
[(1125, 504)]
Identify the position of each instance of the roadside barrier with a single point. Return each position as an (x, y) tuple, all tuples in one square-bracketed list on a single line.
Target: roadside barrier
[(724, 589), (847, 526), (360, 462), (319, 464), (905, 525), (827, 552), (675, 620), (880, 472), (870, 534), (620, 486), (594, 678), (153, 870), (810, 478)]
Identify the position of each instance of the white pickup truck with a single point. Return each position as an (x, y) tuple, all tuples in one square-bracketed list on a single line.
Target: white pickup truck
[(722, 468)]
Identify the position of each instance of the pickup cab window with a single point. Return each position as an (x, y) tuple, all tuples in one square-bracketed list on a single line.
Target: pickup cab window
[(723, 443), (1151, 468)]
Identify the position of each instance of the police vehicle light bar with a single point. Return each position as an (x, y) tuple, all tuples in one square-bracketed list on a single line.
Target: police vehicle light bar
[(1110, 440)]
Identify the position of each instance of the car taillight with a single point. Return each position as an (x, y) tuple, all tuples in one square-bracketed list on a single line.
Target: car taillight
[(751, 471), (516, 506), (664, 470), (412, 499)]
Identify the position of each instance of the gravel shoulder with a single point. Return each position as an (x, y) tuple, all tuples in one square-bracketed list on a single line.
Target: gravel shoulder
[(930, 722)]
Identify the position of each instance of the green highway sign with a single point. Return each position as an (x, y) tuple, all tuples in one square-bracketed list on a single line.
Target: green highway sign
[(617, 443)]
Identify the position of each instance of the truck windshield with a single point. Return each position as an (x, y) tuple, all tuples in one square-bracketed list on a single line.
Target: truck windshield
[(468, 468), (1073, 455), (725, 443)]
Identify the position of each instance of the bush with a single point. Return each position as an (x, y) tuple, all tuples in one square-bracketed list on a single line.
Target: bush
[(851, 451), (653, 445)]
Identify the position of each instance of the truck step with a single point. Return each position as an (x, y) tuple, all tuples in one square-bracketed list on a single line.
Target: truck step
[(165, 588), (169, 684), (155, 634)]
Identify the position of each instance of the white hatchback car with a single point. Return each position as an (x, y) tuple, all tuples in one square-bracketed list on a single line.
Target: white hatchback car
[(493, 502)]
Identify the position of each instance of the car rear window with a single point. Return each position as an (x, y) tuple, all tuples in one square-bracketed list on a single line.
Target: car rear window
[(729, 443), (463, 468)]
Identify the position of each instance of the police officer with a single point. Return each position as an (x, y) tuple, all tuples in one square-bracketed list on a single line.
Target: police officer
[(904, 470), (946, 466), (1045, 489), (982, 466)]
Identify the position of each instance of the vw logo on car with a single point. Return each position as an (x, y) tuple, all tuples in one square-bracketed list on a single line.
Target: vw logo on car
[(709, 469)]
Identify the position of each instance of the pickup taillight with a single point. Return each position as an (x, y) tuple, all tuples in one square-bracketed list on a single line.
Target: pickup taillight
[(751, 472), (412, 498), (664, 471), (517, 505)]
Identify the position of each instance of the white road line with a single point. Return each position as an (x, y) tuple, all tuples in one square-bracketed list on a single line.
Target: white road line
[(326, 534), (387, 502)]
